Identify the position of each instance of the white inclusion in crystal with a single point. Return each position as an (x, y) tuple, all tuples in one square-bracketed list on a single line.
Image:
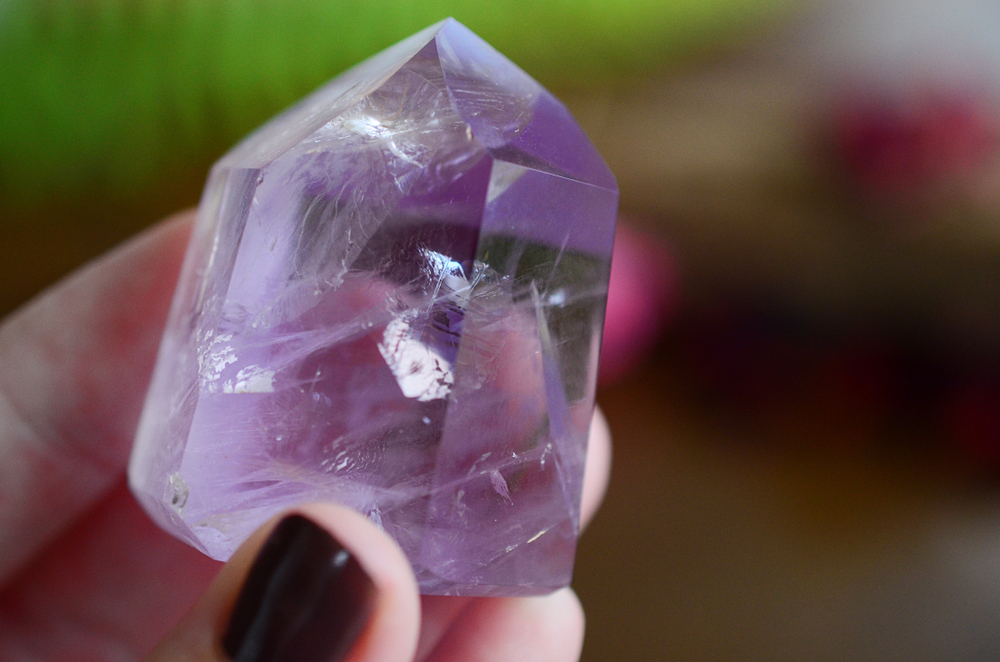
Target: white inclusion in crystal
[(448, 275), (213, 360), (371, 128), (548, 449), (440, 263), (421, 372), (500, 485), (367, 126), (537, 536), (177, 492), (475, 464), (252, 379)]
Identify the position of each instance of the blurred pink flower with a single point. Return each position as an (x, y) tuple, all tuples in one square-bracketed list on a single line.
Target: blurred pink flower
[(642, 297)]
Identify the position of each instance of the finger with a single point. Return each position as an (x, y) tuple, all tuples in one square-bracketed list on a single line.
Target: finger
[(132, 581), (598, 468), (73, 370), (322, 584), (442, 613), (439, 613), (545, 629), (113, 582)]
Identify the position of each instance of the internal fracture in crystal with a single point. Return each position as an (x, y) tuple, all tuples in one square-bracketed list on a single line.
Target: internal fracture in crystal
[(393, 299)]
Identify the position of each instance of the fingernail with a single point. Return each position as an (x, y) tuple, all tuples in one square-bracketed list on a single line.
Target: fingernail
[(306, 598)]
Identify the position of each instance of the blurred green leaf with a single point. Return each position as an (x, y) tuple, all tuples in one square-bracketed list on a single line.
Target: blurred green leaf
[(115, 92)]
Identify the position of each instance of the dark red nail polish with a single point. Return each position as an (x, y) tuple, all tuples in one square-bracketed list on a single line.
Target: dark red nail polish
[(306, 599)]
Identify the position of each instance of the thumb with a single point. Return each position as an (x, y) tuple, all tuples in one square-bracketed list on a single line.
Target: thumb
[(318, 584)]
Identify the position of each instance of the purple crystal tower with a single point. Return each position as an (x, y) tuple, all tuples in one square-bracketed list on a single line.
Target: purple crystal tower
[(393, 299)]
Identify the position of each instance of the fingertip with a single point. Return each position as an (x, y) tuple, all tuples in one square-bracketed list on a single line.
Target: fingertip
[(544, 629), (598, 469), (395, 624), (567, 605), (317, 583)]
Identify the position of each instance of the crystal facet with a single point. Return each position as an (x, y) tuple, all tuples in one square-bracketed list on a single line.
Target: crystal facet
[(393, 299)]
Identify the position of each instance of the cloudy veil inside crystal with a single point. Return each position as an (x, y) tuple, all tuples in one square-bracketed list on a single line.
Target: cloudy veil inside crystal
[(393, 299)]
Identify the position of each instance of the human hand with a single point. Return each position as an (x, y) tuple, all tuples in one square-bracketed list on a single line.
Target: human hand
[(85, 575)]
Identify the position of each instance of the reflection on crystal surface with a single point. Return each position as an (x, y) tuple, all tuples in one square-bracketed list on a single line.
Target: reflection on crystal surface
[(393, 299)]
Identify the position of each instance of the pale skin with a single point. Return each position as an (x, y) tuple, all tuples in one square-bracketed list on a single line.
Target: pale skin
[(85, 575)]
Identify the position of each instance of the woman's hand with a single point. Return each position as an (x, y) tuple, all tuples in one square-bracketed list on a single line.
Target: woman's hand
[(85, 575)]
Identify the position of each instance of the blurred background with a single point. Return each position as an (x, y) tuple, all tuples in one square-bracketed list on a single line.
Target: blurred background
[(802, 356)]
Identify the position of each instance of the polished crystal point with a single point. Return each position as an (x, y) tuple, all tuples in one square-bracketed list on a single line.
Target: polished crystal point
[(393, 299)]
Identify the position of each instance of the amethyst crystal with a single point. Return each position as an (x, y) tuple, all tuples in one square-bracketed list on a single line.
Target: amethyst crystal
[(393, 299)]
